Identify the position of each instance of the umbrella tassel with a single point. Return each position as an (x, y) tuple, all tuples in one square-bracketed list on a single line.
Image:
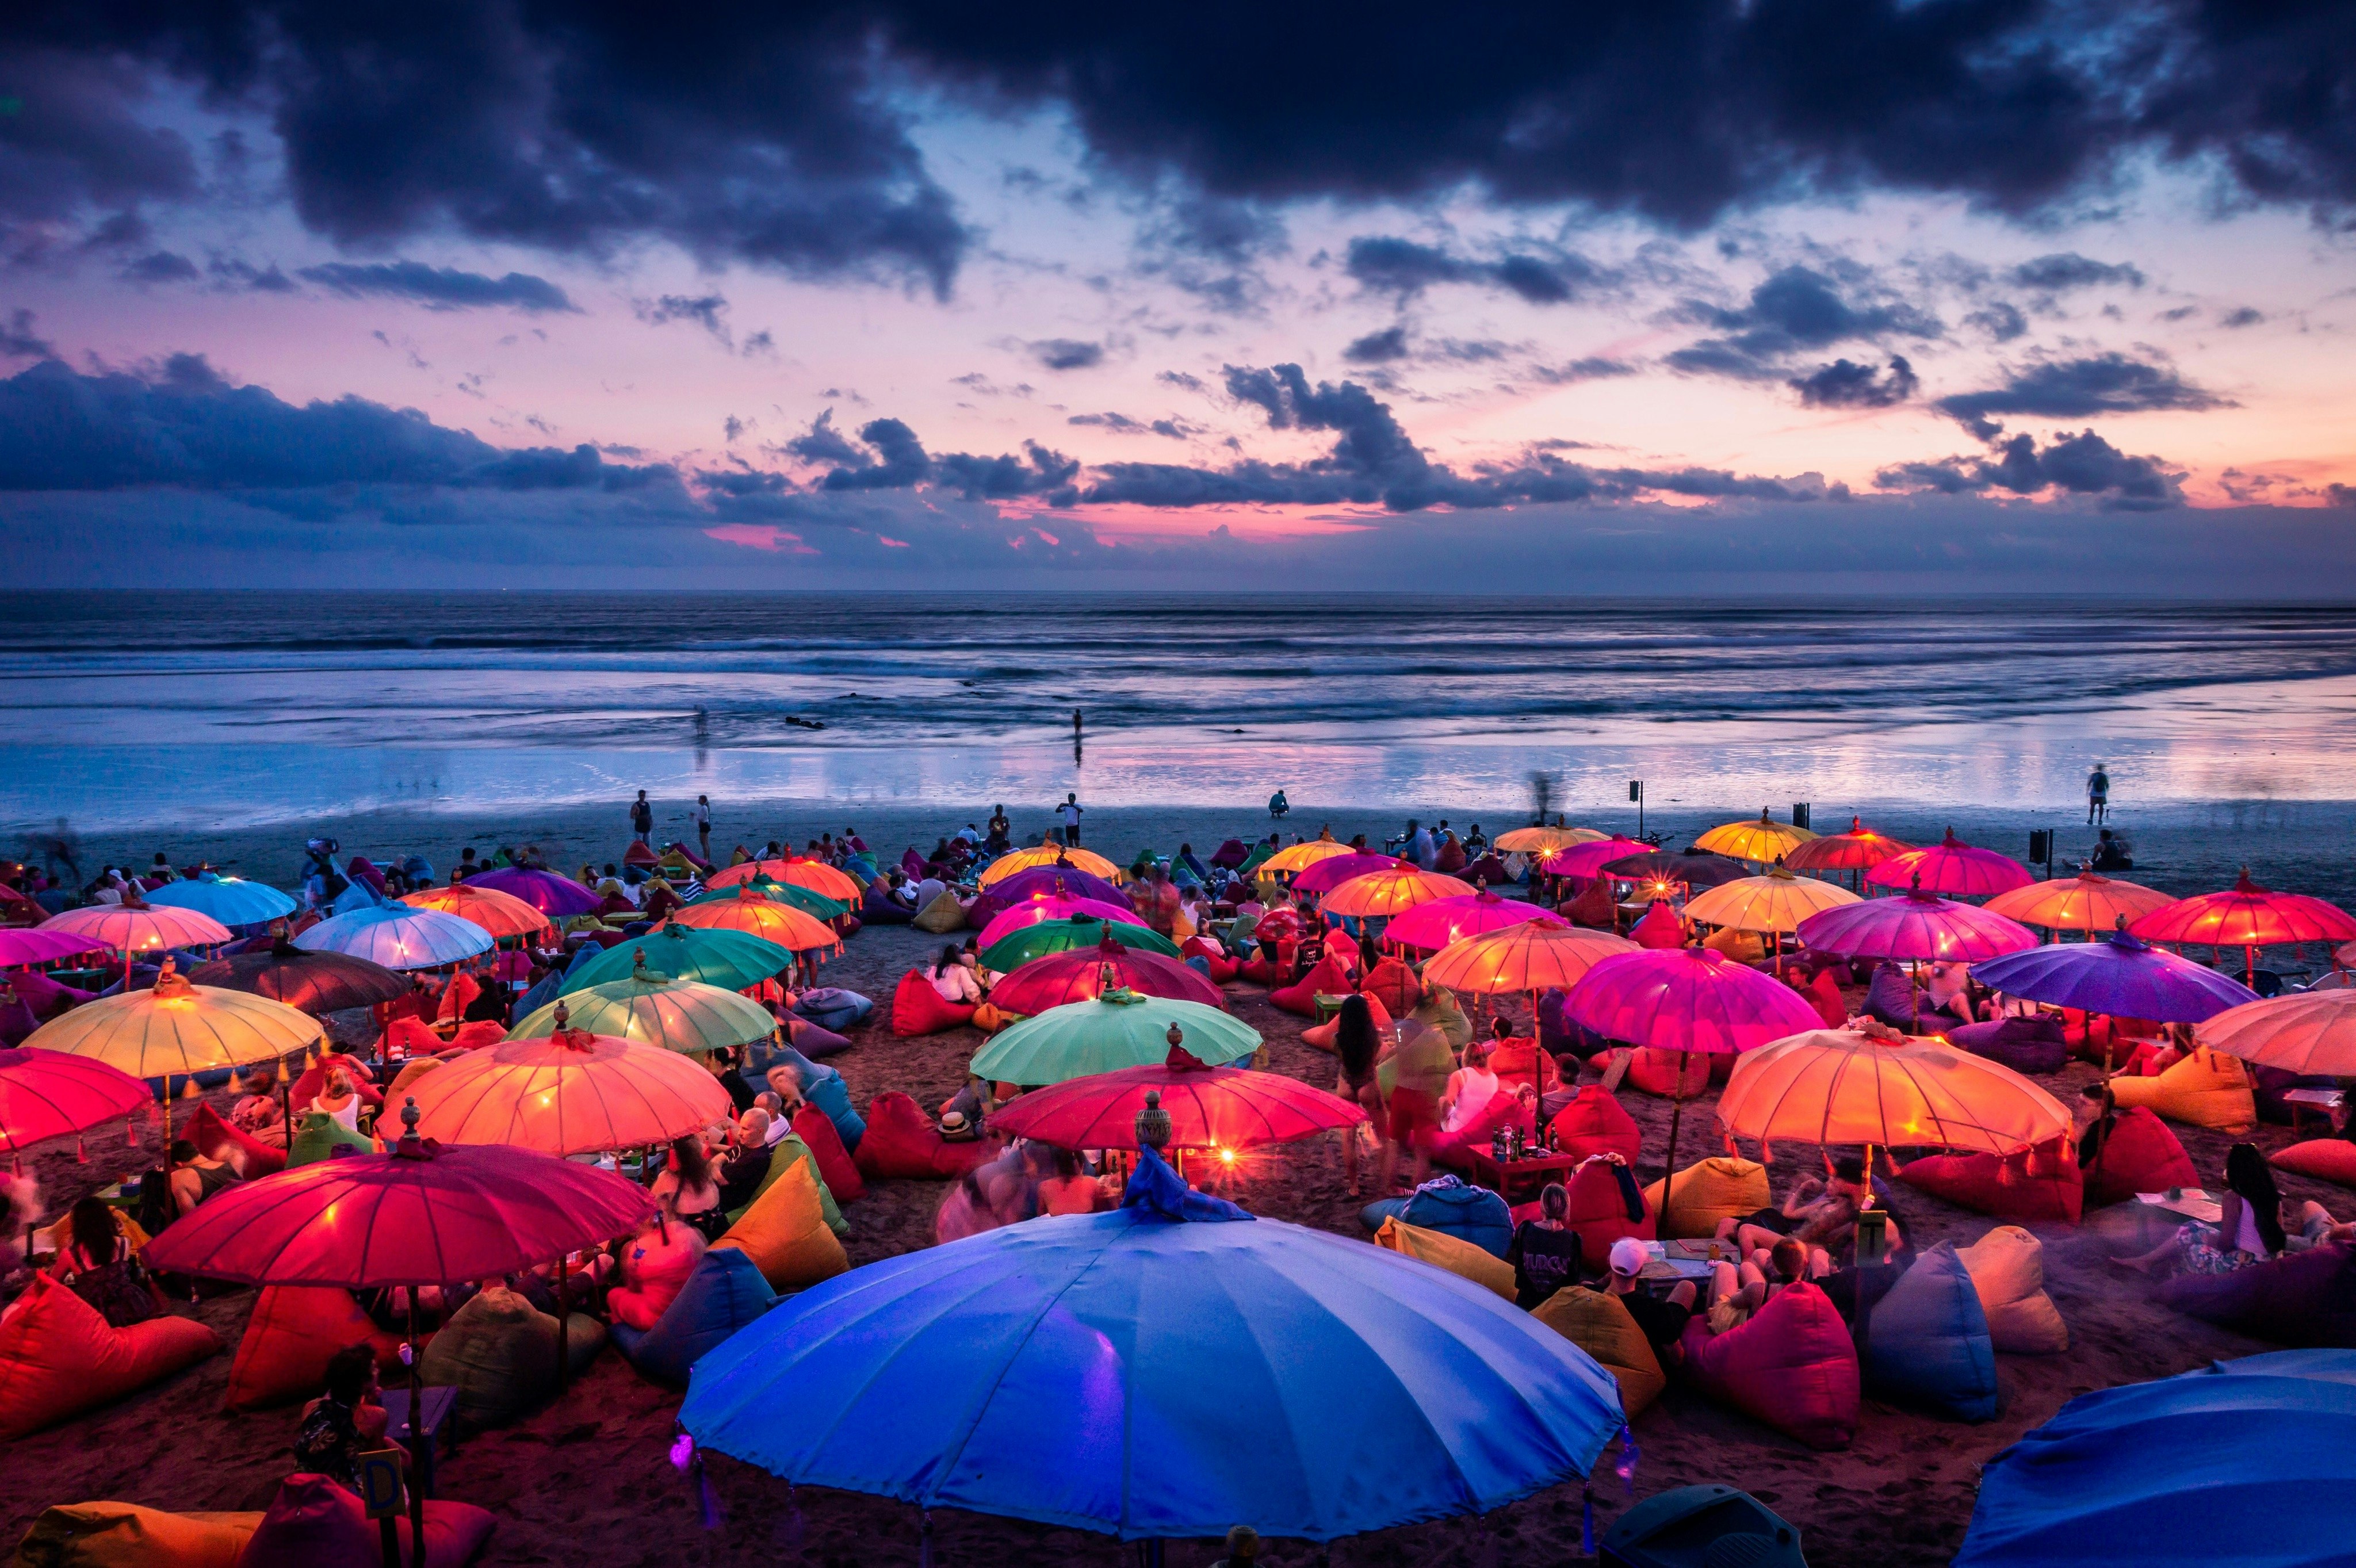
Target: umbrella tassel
[(81, 1153), (1587, 1521), (924, 1542)]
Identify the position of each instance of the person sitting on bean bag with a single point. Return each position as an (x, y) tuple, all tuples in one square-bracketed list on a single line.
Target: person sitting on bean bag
[(2248, 1232), (655, 1267), (1470, 1089), (1820, 1214), (2125, 1151), (346, 1419), (1663, 1318)]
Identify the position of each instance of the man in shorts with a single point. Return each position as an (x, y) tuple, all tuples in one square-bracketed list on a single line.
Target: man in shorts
[(1416, 1074)]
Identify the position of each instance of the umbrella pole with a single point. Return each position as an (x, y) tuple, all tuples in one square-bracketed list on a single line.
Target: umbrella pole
[(416, 1426), (563, 1342), (1669, 1173)]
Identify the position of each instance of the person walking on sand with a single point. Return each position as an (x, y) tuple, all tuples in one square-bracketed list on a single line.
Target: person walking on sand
[(2098, 795), (1070, 812), (704, 826), (642, 820)]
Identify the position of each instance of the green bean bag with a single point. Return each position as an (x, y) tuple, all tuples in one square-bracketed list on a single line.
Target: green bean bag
[(500, 1352), (318, 1135)]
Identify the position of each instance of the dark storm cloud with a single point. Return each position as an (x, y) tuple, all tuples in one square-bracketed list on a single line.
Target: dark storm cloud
[(1594, 368), (161, 267), (1404, 268), (1377, 347), (2084, 465), (892, 459), (439, 288), (75, 139), (1067, 354), (1796, 309), (1844, 385), (2077, 388), (18, 340), (2067, 270)]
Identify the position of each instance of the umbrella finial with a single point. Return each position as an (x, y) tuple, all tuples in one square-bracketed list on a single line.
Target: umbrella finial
[(1176, 1035), (411, 1147), (1154, 1122), (563, 1014)]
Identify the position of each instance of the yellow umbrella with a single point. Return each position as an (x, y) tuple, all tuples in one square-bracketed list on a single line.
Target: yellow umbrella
[(176, 1030), (1765, 841), (654, 1010), (1302, 855), (1079, 859), (1878, 1087), (1532, 956), (501, 914), (1382, 893), (794, 930), (1774, 904), (572, 1093), (2086, 902), (1543, 840), (2309, 1031)]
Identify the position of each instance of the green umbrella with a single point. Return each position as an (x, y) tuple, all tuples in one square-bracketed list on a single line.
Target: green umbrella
[(1118, 1030), (729, 959), (651, 1008), (1012, 951), (818, 905)]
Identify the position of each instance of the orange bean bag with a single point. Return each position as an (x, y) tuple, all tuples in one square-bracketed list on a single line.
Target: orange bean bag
[(901, 1141), (216, 1139), (2207, 1089), (1722, 1187), (2325, 1159), (1596, 1123), (655, 1266), (1322, 1036), (918, 1009), (1599, 1209), (294, 1331), (1222, 968), (835, 1166), (1328, 975), (313, 1521), (60, 1358), (314, 1081), (124, 1535), (1792, 1365), (785, 1233), (1519, 1064), (1396, 983), (2140, 1155), (2042, 1183), (474, 1036), (1824, 992), (1655, 1071)]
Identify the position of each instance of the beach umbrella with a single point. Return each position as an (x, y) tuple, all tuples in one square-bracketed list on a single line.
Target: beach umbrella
[(2087, 902), (1090, 1372), (1916, 927), (2312, 1033), (1667, 868), (398, 937), (1588, 858), (1443, 921), (558, 898), (818, 905), (1765, 841), (655, 1010), (1049, 881), (731, 960), (1379, 895), (1333, 871), (136, 927), (822, 878), (1013, 950), (231, 900), (313, 982), (175, 1029), (1539, 953), (502, 914), (1225, 1108), (2245, 916), (15, 910), (1876, 1087), (570, 1092), (765, 918), (2118, 975), (1859, 849), (1954, 868), (48, 1094), (1544, 839), (1041, 907), (2277, 1439), (1057, 980), (1774, 904), (1050, 856), (1302, 855), (1118, 1029), (19, 946)]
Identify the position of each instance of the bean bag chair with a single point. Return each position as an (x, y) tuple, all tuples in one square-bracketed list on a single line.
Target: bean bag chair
[(2300, 1299), (1328, 975), (1451, 1148), (2205, 1089), (318, 1135), (656, 1264), (415, 1067), (1443, 1251), (785, 1233), (1597, 1324), (902, 1141), (1602, 1194), (1790, 1365), (60, 1358), (877, 909), (1894, 999), (823, 1087), (918, 1009), (315, 1080), (1216, 964), (124, 1535), (2024, 1045), (786, 1152), (2324, 1159), (2007, 1269), (216, 1139), (1439, 1010), (1322, 1036), (1824, 992), (2139, 1155), (724, 1293), (1519, 1064), (836, 1169), (474, 1036), (812, 1041), (1929, 1345), (942, 916), (1469, 1213), (1719, 1187), (409, 1036), (293, 1334), (1396, 984), (313, 1521), (1659, 931), (1656, 1071), (500, 1352), (833, 1007), (2043, 1185), (1593, 1122), (1742, 947)]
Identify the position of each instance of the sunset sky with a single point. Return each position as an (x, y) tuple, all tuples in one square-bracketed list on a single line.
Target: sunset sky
[(1771, 296)]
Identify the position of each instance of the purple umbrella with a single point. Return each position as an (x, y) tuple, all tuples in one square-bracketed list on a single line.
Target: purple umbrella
[(1068, 880), (24, 945), (2118, 975), (558, 898), (1336, 869), (1914, 926)]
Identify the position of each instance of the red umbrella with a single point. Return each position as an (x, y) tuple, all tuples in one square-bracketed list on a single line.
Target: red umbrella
[(1916, 926), (1081, 975), (1041, 907), (1334, 870), (2248, 916), (1222, 1108), (1589, 859), (48, 1094), (1859, 849), (1954, 867)]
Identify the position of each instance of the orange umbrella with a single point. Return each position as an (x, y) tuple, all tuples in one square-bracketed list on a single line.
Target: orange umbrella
[(1859, 849), (1878, 1087), (501, 914), (1765, 841), (1087, 860), (2245, 915), (745, 871), (1531, 956), (1382, 893), (568, 1093), (135, 926), (1543, 840), (2086, 902), (1303, 855), (791, 928), (823, 880), (2309, 1031)]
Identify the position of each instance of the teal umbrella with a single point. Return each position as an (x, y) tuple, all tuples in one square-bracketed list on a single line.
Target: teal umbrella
[(818, 905), (1010, 953), (730, 960), (1118, 1030), (229, 899)]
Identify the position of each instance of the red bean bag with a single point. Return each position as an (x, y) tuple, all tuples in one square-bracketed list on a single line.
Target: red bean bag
[(313, 1521), (918, 1009), (901, 1141), (314, 1081), (216, 1139), (1451, 1148), (2325, 1159), (1658, 930), (409, 1036), (1396, 983), (1598, 1209), (60, 1358), (294, 1331), (835, 1166), (1328, 975), (1519, 1064), (2140, 1155), (1323, 1036), (2038, 1184), (1222, 968), (1655, 1071), (1595, 1123), (1791, 1366), (474, 1036), (1824, 992), (656, 1264)]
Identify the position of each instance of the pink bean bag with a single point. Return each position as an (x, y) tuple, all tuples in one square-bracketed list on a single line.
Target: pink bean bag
[(1222, 968), (901, 1141), (216, 1139), (1824, 993), (918, 1009), (313, 1522), (1791, 1366), (2325, 1159), (1328, 975), (2042, 1183), (1595, 1123), (1655, 1071), (655, 1267), (1396, 983), (835, 1166), (2140, 1155), (409, 1036), (1598, 1210), (60, 1358)]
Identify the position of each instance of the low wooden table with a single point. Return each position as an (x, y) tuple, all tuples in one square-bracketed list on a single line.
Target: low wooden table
[(1519, 1181), (2319, 1101)]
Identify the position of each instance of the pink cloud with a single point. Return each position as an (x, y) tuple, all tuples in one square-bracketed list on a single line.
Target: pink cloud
[(760, 536)]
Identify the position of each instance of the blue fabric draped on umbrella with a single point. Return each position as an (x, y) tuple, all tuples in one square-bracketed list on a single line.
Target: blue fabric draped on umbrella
[(2117, 976), (2249, 1462), (1136, 1374)]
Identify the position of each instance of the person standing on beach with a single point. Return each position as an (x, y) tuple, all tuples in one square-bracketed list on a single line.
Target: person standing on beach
[(2098, 795), (642, 820), (1070, 812), (704, 826)]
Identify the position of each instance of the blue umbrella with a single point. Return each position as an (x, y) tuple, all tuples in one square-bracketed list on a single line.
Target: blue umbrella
[(2249, 1462), (2118, 975), (229, 899), (1139, 1375)]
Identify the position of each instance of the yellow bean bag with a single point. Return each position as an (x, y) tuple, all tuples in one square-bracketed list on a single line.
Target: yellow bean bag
[(785, 1231), (2008, 1270), (1743, 947), (1719, 1187), (942, 916), (124, 1535), (1441, 1249), (1599, 1325), (2206, 1090)]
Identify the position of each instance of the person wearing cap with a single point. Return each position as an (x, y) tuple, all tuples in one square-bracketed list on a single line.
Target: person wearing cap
[(1663, 1318)]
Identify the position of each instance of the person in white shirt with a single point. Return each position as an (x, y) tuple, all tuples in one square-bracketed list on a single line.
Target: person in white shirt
[(1070, 813), (952, 979), (1470, 1088)]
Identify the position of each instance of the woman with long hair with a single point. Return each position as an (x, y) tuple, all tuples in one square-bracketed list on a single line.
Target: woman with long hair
[(2248, 1229), (1356, 1043), (689, 1191)]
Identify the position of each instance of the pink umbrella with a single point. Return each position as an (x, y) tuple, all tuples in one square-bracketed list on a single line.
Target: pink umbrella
[(48, 1094), (1054, 979), (1589, 859), (1223, 1108), (1443, 920), (19, 945), (1041, 907), (1916, 926), (133, 927), (1334, 870), (1953, 867), (558, 898)]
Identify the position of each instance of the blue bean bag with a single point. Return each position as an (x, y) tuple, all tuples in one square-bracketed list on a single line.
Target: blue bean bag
[(724, 1293), (1451, 1204), (823, 1087), (876, 906), (1929, 1345), (1895, 1000), (832, 1008), (2024, 1045)]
